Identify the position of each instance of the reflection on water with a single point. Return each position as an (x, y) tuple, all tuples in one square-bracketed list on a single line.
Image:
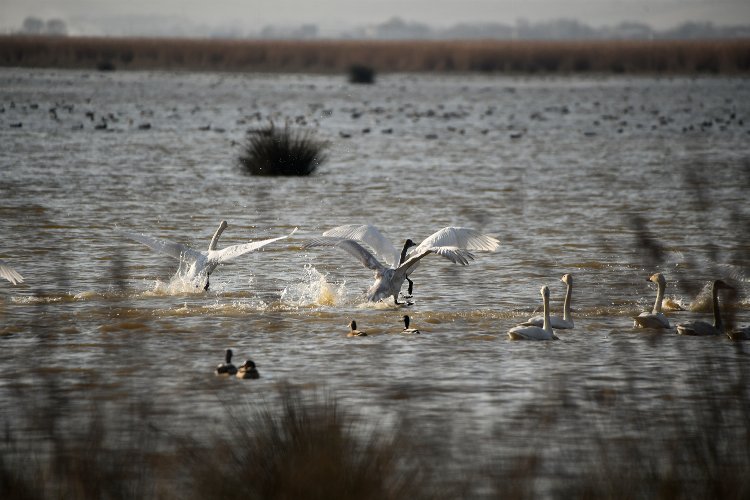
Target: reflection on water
[(610, 179)]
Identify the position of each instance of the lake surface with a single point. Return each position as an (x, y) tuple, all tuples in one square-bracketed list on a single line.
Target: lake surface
[(608, 178)]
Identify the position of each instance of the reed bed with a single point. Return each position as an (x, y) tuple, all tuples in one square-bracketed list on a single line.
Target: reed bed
[(337, 56)]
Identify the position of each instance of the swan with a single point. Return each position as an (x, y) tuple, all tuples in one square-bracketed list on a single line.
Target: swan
[(248, 370), (227, 368), (452, 243), (557, 323), (382, 246), (702, 327), (202, 263), (655, 318), (354, 332), (10, 274), (544, 332), (407, 330)]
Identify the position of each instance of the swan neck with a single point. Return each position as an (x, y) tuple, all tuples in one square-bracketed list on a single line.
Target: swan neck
[(547, 324), (659, 298), (215, 239), (717, 311), (566, 305), (403, 253)]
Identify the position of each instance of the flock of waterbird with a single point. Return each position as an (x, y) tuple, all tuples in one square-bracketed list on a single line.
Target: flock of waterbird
[(456, 244)]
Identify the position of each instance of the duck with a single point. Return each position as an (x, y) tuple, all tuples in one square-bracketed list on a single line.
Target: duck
[(195, 265), (407, 330), (544, 332), (557, 323), (353, 332), (452, 243), (655, 318), (247, 370), (739, 333), (702, 328), (10, 274), (227, 368)]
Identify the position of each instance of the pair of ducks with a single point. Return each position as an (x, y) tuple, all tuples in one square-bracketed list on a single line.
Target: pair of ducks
[(542, 327), (246, 369), (353, 332), (657, 320)]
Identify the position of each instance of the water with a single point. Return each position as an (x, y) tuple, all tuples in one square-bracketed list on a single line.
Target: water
[(560, 169)]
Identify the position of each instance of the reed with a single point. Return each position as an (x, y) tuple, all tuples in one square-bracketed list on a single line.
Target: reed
[(337, 56), (272, 151)]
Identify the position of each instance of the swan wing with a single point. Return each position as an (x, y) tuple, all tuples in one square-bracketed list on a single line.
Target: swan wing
[(361, 254), (460, 237), (10, 274), (453, 254), (233, 251), (372, 237), (176, 250)]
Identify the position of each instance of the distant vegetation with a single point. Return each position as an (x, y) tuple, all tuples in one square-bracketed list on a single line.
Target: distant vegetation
[(359, 73), (287, 151), (336, 57)]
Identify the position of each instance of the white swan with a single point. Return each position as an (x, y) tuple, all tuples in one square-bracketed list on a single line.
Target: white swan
[(10, 274), (544, 332), (407, 330), (382, 246), (655, 318), (452, 243), (702, 327), (558, 323), (201, 264)]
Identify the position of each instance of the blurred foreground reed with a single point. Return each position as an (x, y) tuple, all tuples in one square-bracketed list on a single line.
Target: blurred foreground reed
[(689, 443)]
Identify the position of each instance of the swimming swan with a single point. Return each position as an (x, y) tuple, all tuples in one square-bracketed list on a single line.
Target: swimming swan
[(199, 263), (702, 327), (545, 332), (407, 330), (354, 332), (382, 246), (452, 243), (227, 368), (247, 370), (10, 274), (739, 333), (557, 323), (655, 318)]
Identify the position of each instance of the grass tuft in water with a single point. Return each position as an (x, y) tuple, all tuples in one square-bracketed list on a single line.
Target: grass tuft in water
[(284, 152)]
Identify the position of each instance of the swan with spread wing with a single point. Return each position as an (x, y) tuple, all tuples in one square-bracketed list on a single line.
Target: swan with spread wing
[(199, 264), (452, 243)]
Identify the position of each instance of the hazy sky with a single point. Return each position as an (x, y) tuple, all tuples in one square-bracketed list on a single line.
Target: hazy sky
[(330, 14)]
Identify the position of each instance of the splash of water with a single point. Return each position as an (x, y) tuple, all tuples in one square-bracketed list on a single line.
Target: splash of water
[(313, 290)]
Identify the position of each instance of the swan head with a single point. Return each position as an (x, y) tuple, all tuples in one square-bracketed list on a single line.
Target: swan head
[(353, 325), (657, 278), (567, 279), (544, 291), (223, 225)]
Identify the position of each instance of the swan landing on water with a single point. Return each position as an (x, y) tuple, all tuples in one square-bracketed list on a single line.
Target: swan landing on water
[(452, 243), (200, 264)]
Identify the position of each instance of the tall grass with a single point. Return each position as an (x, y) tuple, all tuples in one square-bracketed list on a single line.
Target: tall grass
[(283, 152), (336, 57)]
